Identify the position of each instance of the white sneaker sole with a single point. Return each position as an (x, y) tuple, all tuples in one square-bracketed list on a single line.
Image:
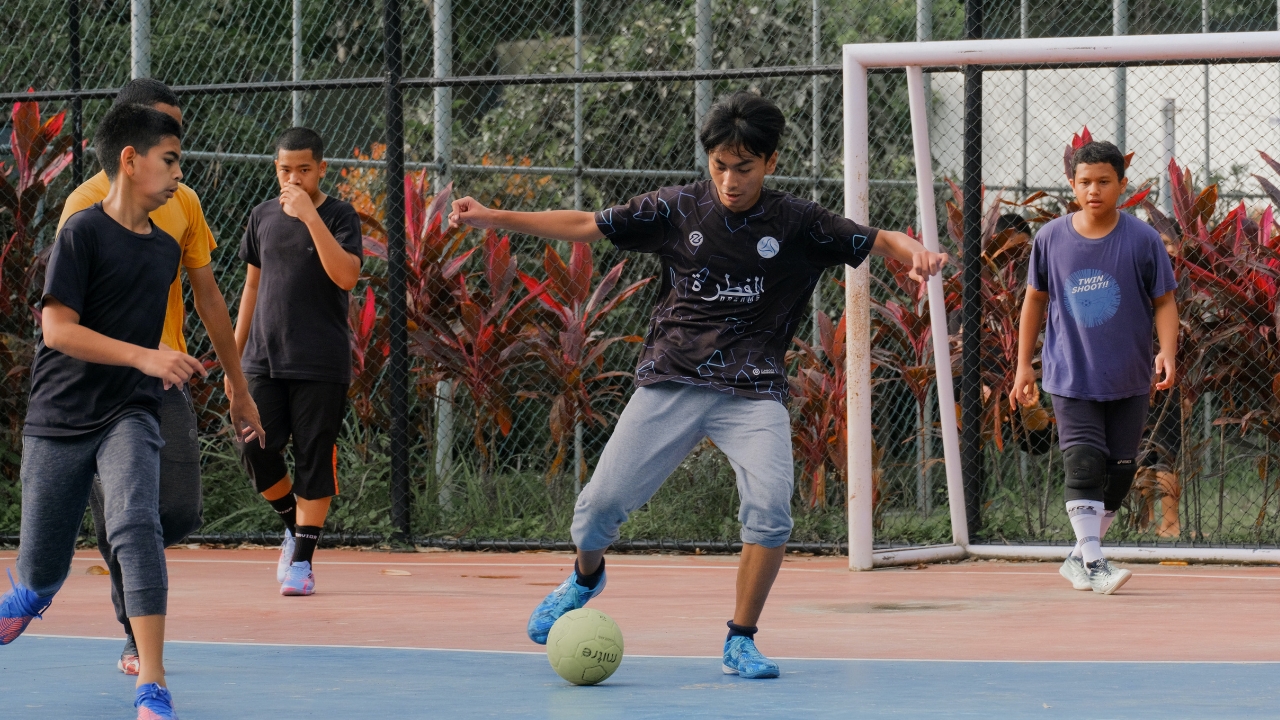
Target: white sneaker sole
[(1124, 578), (728, 670)]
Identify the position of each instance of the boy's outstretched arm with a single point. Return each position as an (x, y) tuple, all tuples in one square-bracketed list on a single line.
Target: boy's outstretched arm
[(64, 333), (212, 309), (904, 249), (1024, 381), (1166, 312), (567, 225)]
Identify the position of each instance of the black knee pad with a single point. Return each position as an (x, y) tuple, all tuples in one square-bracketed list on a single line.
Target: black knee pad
[(1086, 468), (1119, 479)]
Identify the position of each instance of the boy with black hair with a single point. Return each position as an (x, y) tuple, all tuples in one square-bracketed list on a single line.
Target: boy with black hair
[(96, 387), (303, 251), (181, 501), (1105, 278), (739, 263)]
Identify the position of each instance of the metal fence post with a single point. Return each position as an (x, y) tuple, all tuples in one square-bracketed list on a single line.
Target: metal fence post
[(1024, 31), (815, 153), (924, 421), (297, 61), (972, 452), (1170, 150), (442, 133), (140, 38), (579, 460), (1208, 146), (702, 89), (1120, 26), (77, 109), (398, 366)]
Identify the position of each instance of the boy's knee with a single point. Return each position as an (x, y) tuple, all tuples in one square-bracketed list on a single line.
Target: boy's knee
[(1120, 475), (1086, 471), (177, 523)]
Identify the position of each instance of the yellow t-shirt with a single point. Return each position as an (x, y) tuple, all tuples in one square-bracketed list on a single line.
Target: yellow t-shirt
[(182, 218)]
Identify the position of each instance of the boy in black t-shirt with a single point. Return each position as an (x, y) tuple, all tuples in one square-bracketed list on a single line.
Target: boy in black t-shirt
[(96, 387), (739, 263), (303, 251)]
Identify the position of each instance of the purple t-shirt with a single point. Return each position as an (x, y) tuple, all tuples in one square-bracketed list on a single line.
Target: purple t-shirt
[(1098, 343)]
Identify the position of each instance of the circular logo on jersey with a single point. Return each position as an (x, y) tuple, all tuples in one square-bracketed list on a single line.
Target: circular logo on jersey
[(1092, 297), (767, 247), (695, 238)]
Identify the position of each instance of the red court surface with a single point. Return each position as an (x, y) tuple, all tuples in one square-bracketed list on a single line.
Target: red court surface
[(677, 605)]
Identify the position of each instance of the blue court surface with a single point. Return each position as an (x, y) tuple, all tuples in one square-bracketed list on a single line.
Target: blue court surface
[(55, 677)]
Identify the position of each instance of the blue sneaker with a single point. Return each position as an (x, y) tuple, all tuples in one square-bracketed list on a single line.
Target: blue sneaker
[(299, 580), (741, 658), (569, 596), (18, 608), (154, 703)]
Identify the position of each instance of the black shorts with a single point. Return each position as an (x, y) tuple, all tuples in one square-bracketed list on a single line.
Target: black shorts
[(1112, 426), (311, 413)]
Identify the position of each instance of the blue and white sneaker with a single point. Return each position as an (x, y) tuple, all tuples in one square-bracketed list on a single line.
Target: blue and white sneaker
[(569, 596), (741, 658), (18, 608), (286, 556), (154, 703), (299, 580)]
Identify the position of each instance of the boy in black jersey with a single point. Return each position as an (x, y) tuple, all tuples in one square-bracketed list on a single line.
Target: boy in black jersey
[(303, 251), (739, 263), (96, 386)]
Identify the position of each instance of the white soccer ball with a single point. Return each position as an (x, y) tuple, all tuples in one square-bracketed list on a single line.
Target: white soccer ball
[(584, 646)]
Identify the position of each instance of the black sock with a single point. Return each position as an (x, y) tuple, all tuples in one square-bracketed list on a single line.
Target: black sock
[(307, 536), (287, 508), (746, 631), (589, 581)]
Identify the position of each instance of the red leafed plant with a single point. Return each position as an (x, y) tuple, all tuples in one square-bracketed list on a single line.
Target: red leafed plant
[(820, 436), (369, 351), (567, 339), (481, 343), (40, 153)]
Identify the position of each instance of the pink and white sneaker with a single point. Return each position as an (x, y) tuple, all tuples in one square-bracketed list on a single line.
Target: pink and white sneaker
[(299, 580)]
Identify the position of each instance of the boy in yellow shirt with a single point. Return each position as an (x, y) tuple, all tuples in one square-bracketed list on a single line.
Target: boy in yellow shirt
[(181, 506)]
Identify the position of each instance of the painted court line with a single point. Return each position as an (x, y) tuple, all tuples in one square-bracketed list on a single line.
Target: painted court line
[(679, 657)]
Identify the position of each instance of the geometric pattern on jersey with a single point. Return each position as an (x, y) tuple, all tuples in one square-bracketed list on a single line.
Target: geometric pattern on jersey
[(734, 286)]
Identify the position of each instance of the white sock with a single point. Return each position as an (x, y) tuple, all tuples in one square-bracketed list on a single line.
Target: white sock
[(1086, 521), (1107, 518)]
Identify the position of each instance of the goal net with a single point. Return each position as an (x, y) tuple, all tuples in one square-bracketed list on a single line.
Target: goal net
[(966, 142)]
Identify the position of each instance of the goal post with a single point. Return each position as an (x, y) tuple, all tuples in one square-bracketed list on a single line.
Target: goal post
[(1004, 54)]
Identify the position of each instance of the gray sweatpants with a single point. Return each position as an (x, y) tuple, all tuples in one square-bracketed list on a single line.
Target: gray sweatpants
[(181, 503), (661, 424), (57, 474)]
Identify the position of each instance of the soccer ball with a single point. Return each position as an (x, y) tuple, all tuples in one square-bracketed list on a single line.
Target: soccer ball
[(584, 646)]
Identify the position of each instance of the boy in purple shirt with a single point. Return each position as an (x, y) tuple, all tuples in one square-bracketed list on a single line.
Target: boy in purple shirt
[(1105, 278)]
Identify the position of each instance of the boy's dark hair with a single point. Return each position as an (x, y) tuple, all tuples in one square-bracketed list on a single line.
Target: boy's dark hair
[(145, 91), (743, 120), (1014, 222), (1099, 151), (136, 126), (301, 138)]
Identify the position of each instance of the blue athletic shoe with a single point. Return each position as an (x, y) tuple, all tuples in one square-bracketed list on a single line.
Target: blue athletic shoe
[(741, 658), (569, 596), (154, 703), (18, 608)]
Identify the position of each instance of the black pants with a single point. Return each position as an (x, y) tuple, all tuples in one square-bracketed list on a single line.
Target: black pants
[(1112, 426), (181, 501)]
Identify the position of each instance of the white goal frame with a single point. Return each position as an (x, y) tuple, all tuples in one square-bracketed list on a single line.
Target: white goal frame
[(914, 56)]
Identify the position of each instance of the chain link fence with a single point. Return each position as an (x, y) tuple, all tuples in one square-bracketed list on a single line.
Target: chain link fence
[(495, 444)]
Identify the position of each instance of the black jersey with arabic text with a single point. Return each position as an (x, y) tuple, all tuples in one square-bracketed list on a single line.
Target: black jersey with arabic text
[(734, 286)]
